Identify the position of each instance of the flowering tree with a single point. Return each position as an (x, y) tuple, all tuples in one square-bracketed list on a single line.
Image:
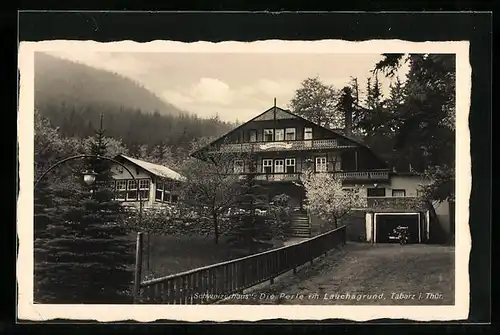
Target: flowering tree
[(211, 187), (328, 199)]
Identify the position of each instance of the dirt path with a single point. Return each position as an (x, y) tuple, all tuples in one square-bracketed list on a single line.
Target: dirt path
[(365, 274)]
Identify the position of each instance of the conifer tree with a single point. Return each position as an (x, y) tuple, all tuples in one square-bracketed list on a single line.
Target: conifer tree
[(87, 251), (252, 227)]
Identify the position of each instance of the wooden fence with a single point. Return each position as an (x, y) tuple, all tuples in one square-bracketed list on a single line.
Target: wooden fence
[(215, 282)]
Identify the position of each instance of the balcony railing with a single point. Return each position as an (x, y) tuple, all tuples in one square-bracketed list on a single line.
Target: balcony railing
[(279, 177), (345, 176), (297, 145), (364, 175)]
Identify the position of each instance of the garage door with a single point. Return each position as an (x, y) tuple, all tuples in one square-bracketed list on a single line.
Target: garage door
[(385, 223)]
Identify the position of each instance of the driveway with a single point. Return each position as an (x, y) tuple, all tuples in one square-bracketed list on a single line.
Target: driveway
[(365, 274)]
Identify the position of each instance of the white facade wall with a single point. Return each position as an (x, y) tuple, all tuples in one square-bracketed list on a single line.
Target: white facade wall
[(410, 184), (119, 173)]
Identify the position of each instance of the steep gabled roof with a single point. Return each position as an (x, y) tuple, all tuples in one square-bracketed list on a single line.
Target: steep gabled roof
[(155, 169), (284, 114)]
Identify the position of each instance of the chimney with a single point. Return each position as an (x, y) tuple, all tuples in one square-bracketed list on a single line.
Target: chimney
[(347, 101), (348, 122)]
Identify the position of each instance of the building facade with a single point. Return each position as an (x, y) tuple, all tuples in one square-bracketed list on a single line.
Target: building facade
[(285, 145), (154, 185)]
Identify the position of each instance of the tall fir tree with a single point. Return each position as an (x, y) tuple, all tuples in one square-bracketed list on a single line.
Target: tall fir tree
[(251, 227), (87, 254)]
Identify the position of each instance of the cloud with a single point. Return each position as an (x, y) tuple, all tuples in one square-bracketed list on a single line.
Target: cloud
[(176, 98), (212, 91), (208, 96), (239, 86), (268, 87)]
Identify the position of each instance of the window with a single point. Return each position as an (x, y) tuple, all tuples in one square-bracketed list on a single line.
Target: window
[(127, 189), (375, 192), (132, 190), (290, 165), (167, 191), (279, 135), (267, 165), (252, 135), (279, 166), (238, 166), (308, 133), (166, 195), (290, 134), (321, 164), (121, 189), (159, 191), (144, 189), (398, 193), (268, 135)]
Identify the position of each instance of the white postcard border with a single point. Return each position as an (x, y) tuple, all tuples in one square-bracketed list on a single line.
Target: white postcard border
[(147, 313)]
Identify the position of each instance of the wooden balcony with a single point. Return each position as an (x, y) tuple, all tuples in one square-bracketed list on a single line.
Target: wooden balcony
[(276, 177), (298, 145), (345, 176), (379, 175)]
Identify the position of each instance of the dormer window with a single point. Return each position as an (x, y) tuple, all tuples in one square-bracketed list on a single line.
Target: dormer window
[(268, 135), (308, 133), (290, 134), (279, 134)]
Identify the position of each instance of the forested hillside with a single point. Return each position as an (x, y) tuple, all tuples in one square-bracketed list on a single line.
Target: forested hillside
[(72, 96), (58, 80)]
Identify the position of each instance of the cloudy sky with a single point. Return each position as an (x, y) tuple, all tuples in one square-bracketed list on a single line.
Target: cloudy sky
[(236, 86)]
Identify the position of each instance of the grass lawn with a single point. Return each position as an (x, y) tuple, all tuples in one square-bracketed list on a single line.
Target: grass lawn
[(383, 274), (174, 254)]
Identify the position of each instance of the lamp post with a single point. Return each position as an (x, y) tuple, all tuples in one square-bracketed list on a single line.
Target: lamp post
[(89, 178)]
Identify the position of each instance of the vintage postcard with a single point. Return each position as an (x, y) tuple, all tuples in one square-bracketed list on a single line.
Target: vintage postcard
[(292, 180)]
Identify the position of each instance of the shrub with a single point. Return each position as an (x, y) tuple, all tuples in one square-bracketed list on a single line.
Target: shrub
[(171, 220), (280, 211)]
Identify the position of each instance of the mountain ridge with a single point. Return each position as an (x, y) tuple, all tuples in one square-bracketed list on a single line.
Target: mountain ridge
[(59, 80)]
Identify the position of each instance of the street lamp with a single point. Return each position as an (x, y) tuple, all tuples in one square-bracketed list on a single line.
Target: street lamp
[(89, 177)]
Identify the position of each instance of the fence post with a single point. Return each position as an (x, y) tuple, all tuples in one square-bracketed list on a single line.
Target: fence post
[(138, 266), (148, 252)]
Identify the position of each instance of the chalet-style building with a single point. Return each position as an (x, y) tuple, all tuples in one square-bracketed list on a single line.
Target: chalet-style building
[(156, 183), (285, 144)]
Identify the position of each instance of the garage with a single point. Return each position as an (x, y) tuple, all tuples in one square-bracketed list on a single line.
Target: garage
[(386, 222)]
